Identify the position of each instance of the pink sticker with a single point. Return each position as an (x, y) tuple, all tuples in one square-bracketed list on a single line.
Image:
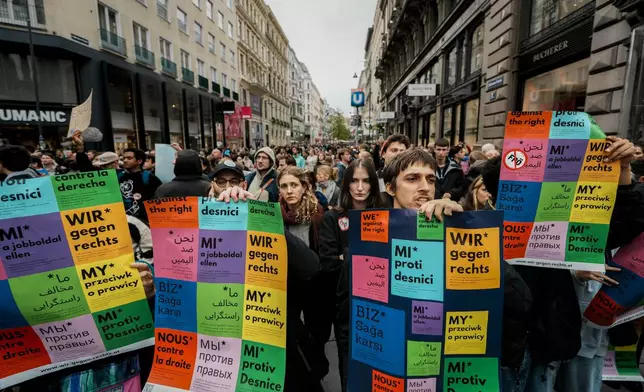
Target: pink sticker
[(370, 278), (547, 241), (631, 256), (3, 273), (176, 253), (610, 367), (70, 339), (421, 385), (524, 160), (218, 361)]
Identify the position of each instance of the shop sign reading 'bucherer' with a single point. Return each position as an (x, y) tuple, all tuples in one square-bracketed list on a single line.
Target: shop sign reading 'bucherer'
[(556, 190), (67, 293), (426, 302), (220, 271)]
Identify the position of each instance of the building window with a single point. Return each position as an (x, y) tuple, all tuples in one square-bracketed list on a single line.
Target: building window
[(185, 59), (209, 9), (447, 123), (162, 9), (233, 84), (222, 52), (477, 49), (471, 122), (182, 20), (563, 88), (198, 38), (141, 35), (451, 66), (231, 32), (220, 20), (213, 74), (211, 43), (232, 59), (201, 68), (547, 12), (108, 19), (16, 11), (166, 49), (197, 3), (229, 3), (224, 80), (242, 63)]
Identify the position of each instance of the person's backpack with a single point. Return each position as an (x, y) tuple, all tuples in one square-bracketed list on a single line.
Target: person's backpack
[(145, 174)]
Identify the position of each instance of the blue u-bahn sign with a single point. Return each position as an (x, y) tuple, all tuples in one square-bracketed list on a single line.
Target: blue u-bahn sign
[(357, 98)]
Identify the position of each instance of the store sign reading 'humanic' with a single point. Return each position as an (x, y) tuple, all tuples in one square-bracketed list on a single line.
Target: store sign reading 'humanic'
[(30, 116)]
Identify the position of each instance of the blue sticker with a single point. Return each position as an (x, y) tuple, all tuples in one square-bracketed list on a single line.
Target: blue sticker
[(11, 316), (519, 200), (176, 305), (569, 125), (378, 335), (417, 270), (20, 198), (216, 215)]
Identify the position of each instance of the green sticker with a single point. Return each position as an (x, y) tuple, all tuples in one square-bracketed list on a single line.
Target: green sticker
[(555, 202), (261, 364), (220, 309), (125, 324), (80, 190), (471, 375), (264, 216), (586, 242), (423, 358), (595, 131), (428, 230), (626, 364), (49, 296)]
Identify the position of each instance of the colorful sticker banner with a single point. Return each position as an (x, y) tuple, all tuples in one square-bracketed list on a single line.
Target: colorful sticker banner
[(67, 293), (426, 302), (616, 305), (620, 364), (556, 190), (220, 316)]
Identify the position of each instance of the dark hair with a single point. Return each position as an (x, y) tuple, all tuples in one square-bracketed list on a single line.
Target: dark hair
[(441, 142), (14, 158), (139, 155), (637, 167), (37, 161), (403, 161), (205, 162), (491, 172), (396, 138), (49, 154), (153, 158), (290, 161), (375, 199), (455, 149)]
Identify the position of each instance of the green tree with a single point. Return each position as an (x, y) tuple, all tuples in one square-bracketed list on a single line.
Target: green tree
[(339, 128)]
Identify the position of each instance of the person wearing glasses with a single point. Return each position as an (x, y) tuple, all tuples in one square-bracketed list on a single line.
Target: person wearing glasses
[(225, 176)]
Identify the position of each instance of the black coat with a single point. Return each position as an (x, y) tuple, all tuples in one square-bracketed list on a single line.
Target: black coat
[(188, 180)]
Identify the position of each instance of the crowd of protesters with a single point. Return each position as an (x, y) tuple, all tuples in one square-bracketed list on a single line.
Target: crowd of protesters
[(545, 345)]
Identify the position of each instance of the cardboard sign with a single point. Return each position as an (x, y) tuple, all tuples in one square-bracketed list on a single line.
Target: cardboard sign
[(81, 116)]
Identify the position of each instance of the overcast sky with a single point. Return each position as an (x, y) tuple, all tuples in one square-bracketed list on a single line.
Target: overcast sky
[(329, 37)]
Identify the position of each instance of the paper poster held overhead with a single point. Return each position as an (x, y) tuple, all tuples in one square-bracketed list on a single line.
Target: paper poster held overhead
[(81, 116)]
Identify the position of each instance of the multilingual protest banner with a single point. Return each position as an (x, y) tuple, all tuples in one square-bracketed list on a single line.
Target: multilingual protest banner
[(614, 305), (67, 293), (620, 364), (220, 274), (426, 302), (556, 190)]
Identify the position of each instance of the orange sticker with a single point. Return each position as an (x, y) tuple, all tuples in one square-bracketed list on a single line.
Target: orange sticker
[(385, 383), (374, 226), (473, 260), (533, 125), (515, 239), (21, 350), (173, 212), (175, 353)]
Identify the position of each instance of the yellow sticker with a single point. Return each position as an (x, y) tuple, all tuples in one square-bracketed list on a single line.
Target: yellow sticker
[(266, 260), (264, 315), (593, 202), (473, 259), (97, 233), (466, 333), (110, 283)]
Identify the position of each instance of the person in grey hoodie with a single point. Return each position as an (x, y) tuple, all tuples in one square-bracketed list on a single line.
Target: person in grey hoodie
[(188, 178)]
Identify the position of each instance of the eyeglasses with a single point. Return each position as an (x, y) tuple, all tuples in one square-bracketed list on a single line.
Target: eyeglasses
[(221, 182)]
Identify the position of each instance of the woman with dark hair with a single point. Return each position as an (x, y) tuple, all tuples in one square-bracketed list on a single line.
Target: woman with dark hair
[(359, 191)]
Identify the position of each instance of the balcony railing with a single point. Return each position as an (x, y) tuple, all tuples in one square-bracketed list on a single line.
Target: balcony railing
[(187, 75), (226, 92), (216, 88), (235, 96), (168, 67), (15, 12), (203, 82), (162, 11), (144, 56), (113, 42)]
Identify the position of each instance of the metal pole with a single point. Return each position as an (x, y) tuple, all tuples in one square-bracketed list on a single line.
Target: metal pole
[(34, 77)]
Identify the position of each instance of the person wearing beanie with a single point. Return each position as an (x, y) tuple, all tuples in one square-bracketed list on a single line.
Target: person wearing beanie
[(188, 178), (262, 182)]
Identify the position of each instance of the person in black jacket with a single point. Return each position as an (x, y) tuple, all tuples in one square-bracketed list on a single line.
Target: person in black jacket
[(360, 191), (188, 178)]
